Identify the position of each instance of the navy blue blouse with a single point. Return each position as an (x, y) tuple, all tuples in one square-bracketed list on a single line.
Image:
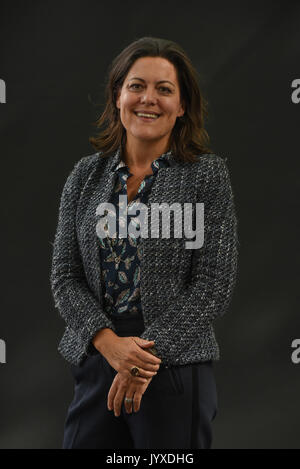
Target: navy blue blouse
[(120, 257)]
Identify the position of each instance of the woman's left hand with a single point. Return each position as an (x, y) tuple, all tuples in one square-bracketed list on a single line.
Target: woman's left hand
[(118, 392)]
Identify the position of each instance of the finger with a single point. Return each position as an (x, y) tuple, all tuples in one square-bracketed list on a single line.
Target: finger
[(147, 360), (118, 400), (111, 395), (146, 357), (126, 375), (147, 366), (142, 372), (128, 405), (138, 380), (137, 401)]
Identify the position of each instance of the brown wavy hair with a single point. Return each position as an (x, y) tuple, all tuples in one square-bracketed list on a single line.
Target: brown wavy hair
[(188, 137)]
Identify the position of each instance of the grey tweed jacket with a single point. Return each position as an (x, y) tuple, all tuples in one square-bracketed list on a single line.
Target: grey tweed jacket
[(182, 290)]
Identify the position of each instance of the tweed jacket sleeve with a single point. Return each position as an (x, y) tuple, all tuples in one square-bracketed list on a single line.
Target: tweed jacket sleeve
[(213, 274), (72, 296)]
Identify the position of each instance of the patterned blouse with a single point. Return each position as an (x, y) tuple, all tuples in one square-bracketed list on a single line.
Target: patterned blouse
[(120, 257)]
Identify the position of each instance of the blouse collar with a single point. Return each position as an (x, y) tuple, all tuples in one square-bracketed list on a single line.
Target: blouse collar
[(162, 160)]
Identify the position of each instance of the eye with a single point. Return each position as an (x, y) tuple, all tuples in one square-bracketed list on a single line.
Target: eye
[(164, 88), (134, 84)]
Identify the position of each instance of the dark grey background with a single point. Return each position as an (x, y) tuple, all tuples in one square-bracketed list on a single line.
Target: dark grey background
[(54, 58)]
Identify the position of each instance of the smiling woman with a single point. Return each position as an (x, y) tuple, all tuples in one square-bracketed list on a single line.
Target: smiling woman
[(142, 100), (158, 71), (139, 312)]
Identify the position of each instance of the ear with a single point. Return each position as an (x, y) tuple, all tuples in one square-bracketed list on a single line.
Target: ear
[(181, 110)]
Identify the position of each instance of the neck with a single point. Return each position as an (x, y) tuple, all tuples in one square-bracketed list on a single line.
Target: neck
[(140, 155)]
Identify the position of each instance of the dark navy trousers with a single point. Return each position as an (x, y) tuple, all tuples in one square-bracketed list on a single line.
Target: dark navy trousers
[(176, 411)]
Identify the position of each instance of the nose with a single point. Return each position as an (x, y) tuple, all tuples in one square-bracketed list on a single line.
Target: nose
[(149, 97)]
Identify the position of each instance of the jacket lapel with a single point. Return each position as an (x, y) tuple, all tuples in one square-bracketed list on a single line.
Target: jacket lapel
[(100, 184)]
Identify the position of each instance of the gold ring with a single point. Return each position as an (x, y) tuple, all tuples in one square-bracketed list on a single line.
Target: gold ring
[(135, 371)]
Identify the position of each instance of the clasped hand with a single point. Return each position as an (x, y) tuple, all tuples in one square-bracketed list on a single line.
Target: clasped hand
[(123, 353), (126, 387)]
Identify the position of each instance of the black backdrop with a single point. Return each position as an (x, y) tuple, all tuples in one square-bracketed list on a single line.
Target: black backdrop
[(53, 60)]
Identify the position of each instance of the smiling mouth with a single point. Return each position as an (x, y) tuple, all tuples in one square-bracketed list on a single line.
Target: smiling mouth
[(145, 118)]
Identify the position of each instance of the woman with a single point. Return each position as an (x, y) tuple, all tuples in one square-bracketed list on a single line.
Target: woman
[(139, 310)]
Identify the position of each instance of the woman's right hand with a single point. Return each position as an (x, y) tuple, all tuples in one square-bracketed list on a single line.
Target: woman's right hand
[(123, 353)]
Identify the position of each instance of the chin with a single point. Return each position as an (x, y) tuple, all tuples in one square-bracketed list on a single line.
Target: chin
[(146, 136)]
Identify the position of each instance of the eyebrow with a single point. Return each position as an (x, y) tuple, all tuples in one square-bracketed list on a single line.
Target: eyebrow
[(161, 81)]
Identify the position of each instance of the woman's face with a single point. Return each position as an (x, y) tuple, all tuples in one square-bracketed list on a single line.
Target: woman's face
[(150, 86)]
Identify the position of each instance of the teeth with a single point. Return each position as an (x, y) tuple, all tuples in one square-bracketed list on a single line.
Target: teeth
[(146, 115)]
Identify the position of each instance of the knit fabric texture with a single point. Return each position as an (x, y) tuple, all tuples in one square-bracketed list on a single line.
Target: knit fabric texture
[(183, 291)]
